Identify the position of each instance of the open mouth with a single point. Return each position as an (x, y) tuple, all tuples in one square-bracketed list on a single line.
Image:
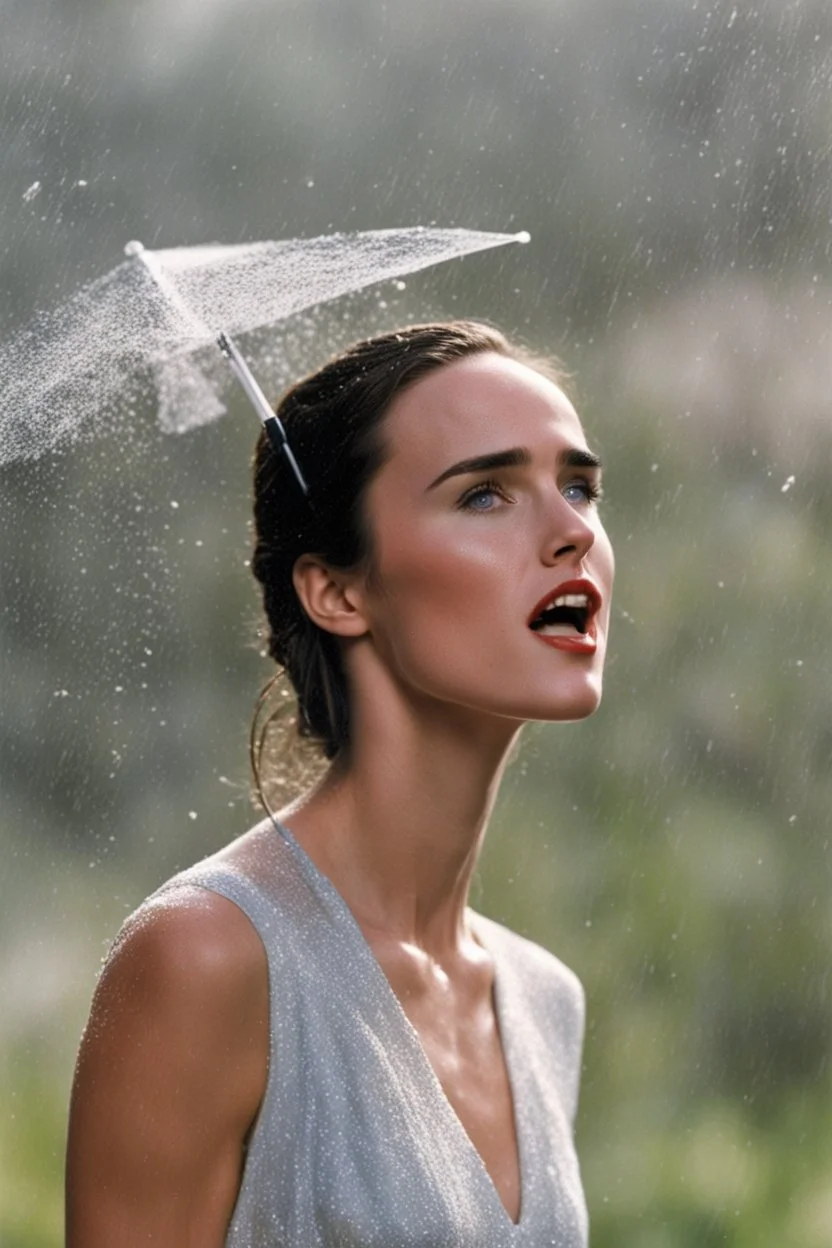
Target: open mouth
[(569, 611)]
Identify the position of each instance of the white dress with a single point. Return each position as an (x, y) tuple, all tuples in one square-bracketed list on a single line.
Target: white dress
[(356, 1144)]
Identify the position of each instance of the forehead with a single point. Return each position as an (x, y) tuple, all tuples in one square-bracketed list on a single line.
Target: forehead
[(474, 406)]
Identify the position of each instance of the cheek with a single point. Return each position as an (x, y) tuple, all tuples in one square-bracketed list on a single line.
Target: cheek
[(437, 598)]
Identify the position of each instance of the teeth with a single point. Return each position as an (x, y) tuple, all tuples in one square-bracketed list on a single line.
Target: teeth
[(578, 608), (571, 600), (555, 630), (579, 601)]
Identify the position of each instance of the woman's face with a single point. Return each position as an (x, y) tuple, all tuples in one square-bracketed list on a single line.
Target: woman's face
[(483, 517)]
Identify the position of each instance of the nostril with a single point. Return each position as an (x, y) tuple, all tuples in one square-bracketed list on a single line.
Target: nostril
[(565, 550)]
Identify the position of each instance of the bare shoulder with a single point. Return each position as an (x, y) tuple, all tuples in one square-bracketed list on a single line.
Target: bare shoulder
[(189, 939), (187, 980), (170, 1075), (194, 944)]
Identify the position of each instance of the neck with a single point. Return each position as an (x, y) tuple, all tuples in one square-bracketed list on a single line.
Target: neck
[(398, 825)]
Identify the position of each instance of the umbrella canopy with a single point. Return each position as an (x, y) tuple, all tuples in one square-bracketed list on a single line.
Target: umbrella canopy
[(80, 366)]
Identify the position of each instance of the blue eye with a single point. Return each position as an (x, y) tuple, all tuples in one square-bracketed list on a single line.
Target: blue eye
[(480, 500), (582, 491), (482, 497)]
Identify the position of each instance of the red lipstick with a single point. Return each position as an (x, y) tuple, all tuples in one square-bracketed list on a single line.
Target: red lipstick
[(579, 601)]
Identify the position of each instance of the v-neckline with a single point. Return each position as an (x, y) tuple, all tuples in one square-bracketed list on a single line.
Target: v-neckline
[(502, 1012)]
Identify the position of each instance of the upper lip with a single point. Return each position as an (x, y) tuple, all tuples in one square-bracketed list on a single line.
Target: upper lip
[(578, 587)]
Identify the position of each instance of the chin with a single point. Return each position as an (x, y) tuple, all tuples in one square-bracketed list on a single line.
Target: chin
[(567, 706), (562, 705), (567, 697)]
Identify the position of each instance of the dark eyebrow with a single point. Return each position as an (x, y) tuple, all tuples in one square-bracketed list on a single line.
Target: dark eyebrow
[(516, 457), (580, 459)]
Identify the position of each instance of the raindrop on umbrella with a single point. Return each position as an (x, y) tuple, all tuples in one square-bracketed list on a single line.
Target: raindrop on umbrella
[(82, 366)]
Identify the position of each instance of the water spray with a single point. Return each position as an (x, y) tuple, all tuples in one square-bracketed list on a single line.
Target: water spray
[(168, 289), (272, 425), (93, 355)]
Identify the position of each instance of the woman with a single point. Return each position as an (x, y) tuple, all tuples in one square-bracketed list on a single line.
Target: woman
[(309, 1038)]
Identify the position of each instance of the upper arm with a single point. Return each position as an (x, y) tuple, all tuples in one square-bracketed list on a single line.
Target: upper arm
[(170, 1075)]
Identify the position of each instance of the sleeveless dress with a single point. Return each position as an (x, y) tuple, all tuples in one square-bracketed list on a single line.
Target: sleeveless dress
[(356, 1144)]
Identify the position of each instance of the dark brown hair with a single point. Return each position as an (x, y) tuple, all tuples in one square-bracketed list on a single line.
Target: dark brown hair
[(333, 420)]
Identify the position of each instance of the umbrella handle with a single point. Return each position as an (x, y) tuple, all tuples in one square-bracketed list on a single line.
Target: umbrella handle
[(271, 423)]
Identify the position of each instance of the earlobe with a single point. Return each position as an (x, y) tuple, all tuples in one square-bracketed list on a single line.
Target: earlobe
[(329, 597)]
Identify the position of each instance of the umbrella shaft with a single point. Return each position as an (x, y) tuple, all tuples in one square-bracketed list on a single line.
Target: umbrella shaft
[(272, 425)]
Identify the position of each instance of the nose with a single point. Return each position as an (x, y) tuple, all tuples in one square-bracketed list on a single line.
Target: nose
[(568, 533)]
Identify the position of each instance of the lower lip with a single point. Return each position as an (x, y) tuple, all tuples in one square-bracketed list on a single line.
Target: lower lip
[(572, 645)]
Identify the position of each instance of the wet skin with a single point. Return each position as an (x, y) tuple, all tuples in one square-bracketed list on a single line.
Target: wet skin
[(462, 563), (443, 671)]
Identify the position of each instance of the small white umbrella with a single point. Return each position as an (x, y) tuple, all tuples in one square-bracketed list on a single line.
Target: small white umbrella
[(82, 365)]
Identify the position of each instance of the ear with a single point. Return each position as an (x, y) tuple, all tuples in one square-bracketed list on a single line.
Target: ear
[(330, 597)]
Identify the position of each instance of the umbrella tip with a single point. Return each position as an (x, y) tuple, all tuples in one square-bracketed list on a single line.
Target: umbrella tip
[(523, 237), (134, 248)]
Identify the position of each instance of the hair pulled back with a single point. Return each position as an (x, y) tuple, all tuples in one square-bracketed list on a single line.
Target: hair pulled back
[(333, 419)]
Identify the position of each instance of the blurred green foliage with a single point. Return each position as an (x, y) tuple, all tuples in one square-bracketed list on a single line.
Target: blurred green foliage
[(672, 162)]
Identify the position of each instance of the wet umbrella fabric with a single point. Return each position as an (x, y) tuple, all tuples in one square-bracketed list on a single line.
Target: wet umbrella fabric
[(157, 316)]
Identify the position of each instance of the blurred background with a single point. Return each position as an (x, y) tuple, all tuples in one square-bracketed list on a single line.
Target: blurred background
[(672, 160)]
